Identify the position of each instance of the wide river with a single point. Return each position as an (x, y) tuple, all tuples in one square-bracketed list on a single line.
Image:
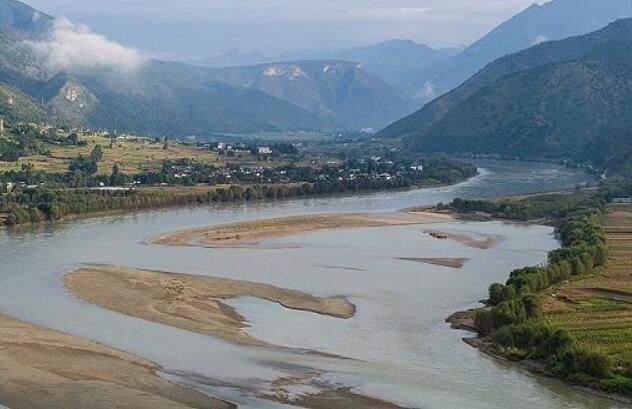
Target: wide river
[(401, 348)]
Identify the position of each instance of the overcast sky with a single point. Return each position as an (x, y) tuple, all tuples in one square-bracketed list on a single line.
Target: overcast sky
[(199, 28)]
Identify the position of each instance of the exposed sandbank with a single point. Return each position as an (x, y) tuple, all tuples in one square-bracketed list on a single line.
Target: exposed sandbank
[(194, 303), (45, 369), (466, 240), (250, 233), (307, 391), (456, 263)]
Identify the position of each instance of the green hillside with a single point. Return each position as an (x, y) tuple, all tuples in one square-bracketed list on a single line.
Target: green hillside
[(570, 99)]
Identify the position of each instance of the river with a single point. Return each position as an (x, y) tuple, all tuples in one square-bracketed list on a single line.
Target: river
[(400, 348)]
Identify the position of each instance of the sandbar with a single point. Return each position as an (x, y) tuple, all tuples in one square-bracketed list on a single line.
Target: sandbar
[(190, 302), (250, 233)]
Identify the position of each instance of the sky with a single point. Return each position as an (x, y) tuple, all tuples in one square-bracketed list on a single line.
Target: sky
[(190, 29)]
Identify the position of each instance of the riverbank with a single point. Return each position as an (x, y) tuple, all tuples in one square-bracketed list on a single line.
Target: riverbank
[(464, 320), (254, 232), (190, 302), (45, 369), (571, 318), (27, 202)]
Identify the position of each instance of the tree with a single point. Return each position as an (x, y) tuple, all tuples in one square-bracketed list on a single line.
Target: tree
[(83, 164), (97, 154)]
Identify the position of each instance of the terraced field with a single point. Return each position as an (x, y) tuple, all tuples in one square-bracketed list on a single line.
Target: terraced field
[(598, 310)]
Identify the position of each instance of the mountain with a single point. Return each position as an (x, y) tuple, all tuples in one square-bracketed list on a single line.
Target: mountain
[(18, 17), (233, 58), (338, 91), (555, 20), (394, 61), (161, 98), (563, 99)]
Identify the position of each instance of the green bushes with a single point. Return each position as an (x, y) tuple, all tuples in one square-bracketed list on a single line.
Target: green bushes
[(573, 361), (483, 321), (515, 317), (537, 339)]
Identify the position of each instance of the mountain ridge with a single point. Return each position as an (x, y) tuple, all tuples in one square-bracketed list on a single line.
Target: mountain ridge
[(555, 20), (560, 99)]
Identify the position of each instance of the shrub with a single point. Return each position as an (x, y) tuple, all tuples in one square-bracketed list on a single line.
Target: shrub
[(483, 321)]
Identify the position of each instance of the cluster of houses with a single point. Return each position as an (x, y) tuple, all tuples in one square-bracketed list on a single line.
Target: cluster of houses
[(10, 186), (359, 170), (238, 148)]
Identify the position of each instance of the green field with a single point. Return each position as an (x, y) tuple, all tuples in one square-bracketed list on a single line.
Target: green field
[(597, 310)]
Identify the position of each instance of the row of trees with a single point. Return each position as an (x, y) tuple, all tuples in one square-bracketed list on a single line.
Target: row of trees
[(515, 318), (547, 206), (39, 204)]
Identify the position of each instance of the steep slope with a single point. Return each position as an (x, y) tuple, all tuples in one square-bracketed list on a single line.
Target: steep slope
[(158, 99), (19, 17), (566, 99), (337, 91), (549, 52), (15, 106), (555, 20)]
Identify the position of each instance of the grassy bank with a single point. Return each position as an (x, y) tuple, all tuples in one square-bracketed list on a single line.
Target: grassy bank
[(535, 316)]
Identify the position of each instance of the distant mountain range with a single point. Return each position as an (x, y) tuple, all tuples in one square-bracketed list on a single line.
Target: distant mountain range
[(554, 20), (394, 61), (162, 98), (337, 91), (562, 99)]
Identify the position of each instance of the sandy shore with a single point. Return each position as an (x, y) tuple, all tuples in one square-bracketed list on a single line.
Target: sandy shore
[(45, 369), (190, 302), (253, 232)]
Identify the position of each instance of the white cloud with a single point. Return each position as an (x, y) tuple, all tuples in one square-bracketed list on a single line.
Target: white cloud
[(73, 47)]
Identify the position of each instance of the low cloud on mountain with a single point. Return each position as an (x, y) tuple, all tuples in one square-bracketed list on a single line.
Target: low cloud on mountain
[(74, 47)]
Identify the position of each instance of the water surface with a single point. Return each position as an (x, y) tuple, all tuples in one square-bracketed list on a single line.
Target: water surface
[(401, 349)]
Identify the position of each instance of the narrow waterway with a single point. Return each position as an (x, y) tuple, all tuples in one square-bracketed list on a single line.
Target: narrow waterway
[(400, 348)]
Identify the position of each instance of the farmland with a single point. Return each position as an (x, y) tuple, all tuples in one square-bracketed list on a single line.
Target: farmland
[(597, 310), (131, 154)]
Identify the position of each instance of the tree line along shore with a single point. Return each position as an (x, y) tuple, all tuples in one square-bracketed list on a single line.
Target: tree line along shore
[(37, 197), (526, 319)]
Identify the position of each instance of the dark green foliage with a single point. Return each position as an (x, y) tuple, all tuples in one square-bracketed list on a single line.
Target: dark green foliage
[(483, 321), (578, 361), (569, 99), (535, 337), (86, 165), (515, 319), (495, 293)]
